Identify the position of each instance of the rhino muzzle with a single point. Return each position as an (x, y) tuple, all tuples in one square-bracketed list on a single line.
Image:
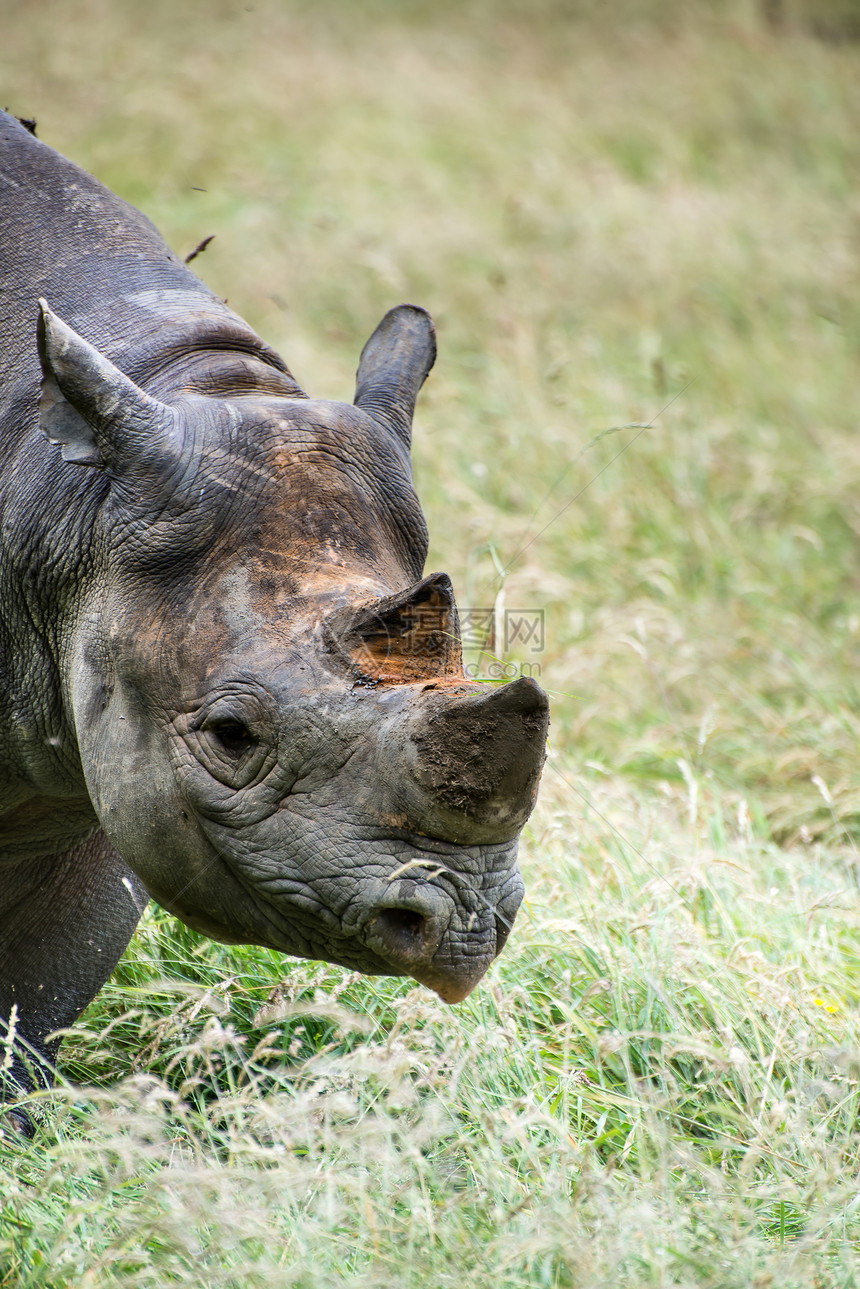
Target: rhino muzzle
[(470, 766), (407, 930), (453, 772)]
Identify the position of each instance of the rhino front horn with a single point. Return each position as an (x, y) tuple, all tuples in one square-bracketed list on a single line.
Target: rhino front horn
[(474, 761), (394, 365)]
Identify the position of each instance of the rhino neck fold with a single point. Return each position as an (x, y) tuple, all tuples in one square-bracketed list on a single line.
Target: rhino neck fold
[(180, 338), (216, 366)]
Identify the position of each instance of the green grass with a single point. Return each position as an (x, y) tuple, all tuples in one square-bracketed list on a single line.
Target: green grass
[(657, 1085), (622, 215)]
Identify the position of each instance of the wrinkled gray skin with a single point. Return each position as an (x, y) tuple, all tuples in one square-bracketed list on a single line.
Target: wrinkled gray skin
[(218, 685)]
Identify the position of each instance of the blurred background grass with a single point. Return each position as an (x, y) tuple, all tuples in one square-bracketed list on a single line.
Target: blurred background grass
[(627, 215)]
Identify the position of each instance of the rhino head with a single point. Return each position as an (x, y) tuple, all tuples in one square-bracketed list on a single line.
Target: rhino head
[(274, 724)]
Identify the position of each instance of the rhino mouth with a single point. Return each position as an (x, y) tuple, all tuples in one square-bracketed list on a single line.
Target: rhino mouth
[(424, 918)]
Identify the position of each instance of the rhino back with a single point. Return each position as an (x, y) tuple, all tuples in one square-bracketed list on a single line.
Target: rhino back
[(104, 267)]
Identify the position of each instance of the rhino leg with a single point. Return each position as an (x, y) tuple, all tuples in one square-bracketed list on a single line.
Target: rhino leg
[(64, 923)]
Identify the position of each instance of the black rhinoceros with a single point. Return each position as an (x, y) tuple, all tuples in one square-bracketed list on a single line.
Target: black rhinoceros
[(224, 680)]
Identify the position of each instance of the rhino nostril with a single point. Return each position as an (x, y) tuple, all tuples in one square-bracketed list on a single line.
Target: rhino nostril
[(402, 929), (408, 937)]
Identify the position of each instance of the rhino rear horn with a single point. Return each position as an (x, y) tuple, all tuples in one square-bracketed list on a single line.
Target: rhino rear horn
[(394, 365), (402, 639), (91, 409)]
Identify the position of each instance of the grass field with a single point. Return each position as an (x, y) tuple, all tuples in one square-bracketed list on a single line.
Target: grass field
[(637, 227)]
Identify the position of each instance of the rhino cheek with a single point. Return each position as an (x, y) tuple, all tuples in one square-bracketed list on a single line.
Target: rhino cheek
[(144, 815)]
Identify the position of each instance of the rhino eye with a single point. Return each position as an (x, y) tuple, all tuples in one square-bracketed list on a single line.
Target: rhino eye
[(234, 737)]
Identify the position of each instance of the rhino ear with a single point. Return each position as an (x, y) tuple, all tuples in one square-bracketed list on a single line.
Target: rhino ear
[(95, 413), (394, 365)]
